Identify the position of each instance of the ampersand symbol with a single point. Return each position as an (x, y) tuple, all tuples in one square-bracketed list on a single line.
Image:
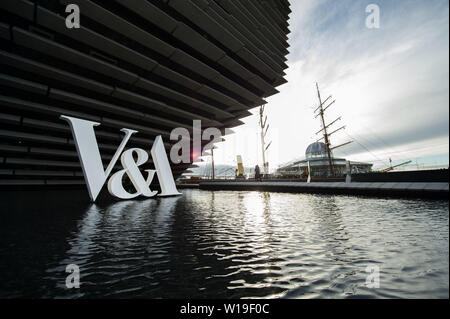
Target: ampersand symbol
[(131, 168)]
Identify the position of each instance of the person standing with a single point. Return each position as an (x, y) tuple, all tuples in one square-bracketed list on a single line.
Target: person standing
[(257, 173)]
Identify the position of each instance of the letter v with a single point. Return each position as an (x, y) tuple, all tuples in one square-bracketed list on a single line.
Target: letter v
[(89, 153)]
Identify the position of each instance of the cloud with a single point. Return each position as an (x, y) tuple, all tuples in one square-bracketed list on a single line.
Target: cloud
[(390, 84)]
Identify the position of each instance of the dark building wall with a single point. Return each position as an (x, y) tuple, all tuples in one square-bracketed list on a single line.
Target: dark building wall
[(145, 65)]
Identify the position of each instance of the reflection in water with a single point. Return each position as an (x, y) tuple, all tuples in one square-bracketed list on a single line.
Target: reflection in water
[(249, 244), (115, 244)]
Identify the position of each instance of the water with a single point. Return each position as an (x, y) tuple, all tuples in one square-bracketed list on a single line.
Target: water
[(226, 245)]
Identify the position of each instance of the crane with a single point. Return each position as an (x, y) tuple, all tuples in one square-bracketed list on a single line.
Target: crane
[(391, 168)]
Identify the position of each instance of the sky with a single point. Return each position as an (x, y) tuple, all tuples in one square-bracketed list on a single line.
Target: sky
[(391, 85)]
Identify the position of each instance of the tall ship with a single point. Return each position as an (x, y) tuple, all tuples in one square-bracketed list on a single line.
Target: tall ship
[(320, 163)]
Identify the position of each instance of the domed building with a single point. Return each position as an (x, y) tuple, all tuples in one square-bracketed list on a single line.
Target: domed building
[(316, 150), (316, 155)]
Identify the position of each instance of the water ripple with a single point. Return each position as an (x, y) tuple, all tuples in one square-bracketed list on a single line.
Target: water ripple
[(241, 245)]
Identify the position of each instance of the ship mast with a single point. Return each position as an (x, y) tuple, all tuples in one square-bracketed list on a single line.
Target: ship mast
[(326, 136), (325, 133), (212, 164), (264, 129)]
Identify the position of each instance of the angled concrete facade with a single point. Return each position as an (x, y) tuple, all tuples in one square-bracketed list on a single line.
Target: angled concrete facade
[(145, 65)]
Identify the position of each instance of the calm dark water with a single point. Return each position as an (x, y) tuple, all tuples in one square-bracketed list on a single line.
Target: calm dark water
[(225, 245)]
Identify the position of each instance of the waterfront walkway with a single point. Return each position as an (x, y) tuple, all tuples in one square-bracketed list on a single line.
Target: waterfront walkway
[(419, 190)]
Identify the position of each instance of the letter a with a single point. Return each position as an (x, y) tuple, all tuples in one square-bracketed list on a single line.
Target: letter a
[(73, 280), (73, 19), (373, 19)]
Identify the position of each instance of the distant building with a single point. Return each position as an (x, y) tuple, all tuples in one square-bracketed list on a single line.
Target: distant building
[(317, 156)]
